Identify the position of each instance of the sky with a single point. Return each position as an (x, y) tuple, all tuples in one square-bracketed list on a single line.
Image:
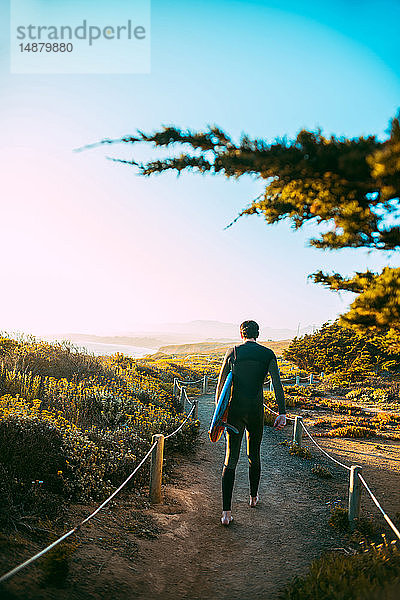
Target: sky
[(90, 246)]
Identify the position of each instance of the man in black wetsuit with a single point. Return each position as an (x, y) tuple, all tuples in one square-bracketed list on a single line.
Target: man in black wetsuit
[(251, 363)]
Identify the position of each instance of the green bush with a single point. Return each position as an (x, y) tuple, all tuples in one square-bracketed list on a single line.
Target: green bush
[(31, 456), (339, 519), (298, 390), (296, 450), (74, 426), (335, 349), (348, 431), (269, 418), (370, 394), (321, 471), (371, 575), (58, 359)]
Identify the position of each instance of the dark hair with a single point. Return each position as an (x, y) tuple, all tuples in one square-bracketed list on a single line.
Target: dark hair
[(250, 329)]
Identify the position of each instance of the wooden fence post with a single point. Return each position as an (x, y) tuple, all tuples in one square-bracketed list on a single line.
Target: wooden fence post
[(297, 379), (297, 430), (174, 390), (311, 378), (156, 468), (182, 398), (354, 494), (271, 386), (196, 409), (205, 382)]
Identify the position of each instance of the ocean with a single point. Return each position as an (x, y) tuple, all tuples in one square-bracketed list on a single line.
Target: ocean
[(99, 349)]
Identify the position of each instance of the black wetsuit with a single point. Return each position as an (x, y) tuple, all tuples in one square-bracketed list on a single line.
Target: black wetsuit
[(246, 411)]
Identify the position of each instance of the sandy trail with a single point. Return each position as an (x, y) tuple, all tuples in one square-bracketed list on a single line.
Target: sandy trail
[(196, 557)]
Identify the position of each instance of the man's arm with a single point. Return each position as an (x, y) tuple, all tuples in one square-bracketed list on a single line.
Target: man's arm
[(280, 420), (225, 368)]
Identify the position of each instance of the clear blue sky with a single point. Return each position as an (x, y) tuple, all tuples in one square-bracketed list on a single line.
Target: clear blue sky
[(92, 247)]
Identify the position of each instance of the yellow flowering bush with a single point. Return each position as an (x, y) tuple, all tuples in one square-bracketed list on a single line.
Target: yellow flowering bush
[(76, 435)]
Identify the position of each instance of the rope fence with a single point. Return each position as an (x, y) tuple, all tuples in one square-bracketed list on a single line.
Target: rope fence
[(156, 453), (299, 427), (77, 527), (166, 437), (322, 450), (355, 476), (385, 516)]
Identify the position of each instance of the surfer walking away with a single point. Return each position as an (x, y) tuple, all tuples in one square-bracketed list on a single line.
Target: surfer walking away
[(246, 409)]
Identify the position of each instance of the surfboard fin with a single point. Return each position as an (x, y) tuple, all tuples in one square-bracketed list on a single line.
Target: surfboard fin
[(228, 426)]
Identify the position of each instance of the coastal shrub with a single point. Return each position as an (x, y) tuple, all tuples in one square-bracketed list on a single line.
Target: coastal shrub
[(269, 418), (296, 450), (298, 390), (336, 383), (393, 392), (321, 471), (374, 395), (333, 349), (57, 359), (338, 407), (382, 420), (46, 460), (348, 431), (370, 575), (339, 519), (361, 394)]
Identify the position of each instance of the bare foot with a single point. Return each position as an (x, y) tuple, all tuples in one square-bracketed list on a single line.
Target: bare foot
[(254, 501), (226, 517)]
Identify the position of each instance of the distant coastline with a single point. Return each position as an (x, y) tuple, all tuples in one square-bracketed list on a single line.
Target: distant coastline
[(176, 338), (101, 349)]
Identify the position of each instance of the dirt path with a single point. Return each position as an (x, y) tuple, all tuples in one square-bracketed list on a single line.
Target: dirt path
[(196, 558), (179, 550)]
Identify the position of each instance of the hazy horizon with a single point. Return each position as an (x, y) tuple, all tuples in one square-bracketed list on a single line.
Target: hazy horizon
[(148, 329), (169, 333)]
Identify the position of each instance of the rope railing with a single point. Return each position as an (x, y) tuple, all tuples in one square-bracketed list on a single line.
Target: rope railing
[(298, 428), (181, 384), (182, 381), (385, 515), (66, 535), (322, 450), (295, 379), (353, 490), (77, 527), (277, 414), (354, 470), (182, 424), (158, 445)]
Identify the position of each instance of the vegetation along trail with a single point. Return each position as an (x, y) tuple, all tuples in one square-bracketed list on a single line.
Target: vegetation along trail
[(179, 549)]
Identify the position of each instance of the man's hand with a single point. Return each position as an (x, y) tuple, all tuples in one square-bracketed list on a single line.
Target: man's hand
[(280, 422)]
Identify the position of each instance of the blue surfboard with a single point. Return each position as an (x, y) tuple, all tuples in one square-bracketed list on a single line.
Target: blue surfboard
[(218, 421)]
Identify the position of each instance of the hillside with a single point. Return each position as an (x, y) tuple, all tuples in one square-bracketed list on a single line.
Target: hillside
[(215, 348)]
